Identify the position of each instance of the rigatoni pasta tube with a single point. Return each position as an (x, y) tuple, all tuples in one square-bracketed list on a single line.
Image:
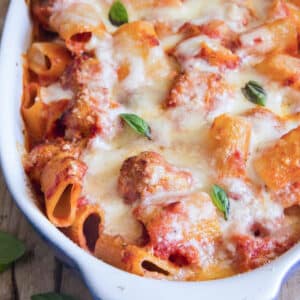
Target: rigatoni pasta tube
[(283, 68), (33, 112), (278, 165), (87, 226), (77, 24), (110, 249), (40, 155), (141, 261), (61, 183), (39, 117), (230, 139), (48, 60), (138, 260)]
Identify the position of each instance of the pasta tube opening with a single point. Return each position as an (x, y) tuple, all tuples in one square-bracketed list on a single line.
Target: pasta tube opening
[(48, 60), (31, 92), (34, 114), (61, 184), (91, 230), (63, 206), (151, 267), (87, 227), (76, 42), (82, 37)]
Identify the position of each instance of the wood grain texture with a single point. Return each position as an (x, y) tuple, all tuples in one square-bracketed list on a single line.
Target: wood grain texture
[(3, 8), (36, 272), (72, 284), (39, 271), (6, 209)]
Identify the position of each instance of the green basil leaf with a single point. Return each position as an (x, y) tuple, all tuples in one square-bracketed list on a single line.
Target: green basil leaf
[(4, 267), (52, 296), (220, 200), (10, 248), (137, 124), (118, 14), (255, 93)]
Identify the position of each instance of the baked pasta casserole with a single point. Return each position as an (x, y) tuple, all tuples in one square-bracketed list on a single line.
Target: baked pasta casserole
[(163, 137)]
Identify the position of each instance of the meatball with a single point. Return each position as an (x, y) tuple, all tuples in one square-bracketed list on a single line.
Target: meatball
[(149, 173)]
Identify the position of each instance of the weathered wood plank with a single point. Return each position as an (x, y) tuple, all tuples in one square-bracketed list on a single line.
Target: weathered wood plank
[(3, 8), (71, 284), (6, 287), (6, 209), (36, 272)]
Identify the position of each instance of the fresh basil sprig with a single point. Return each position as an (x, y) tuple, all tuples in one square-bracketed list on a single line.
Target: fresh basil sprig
[(52, 296), (137, 124), (255, 93), (11, 249), (118, 14), (220, 200)]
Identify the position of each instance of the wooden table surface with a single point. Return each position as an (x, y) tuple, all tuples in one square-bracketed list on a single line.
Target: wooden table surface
[(39, 271)]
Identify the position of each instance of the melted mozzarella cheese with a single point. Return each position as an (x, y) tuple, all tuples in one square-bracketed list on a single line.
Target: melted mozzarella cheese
[(187, 10), (236, 16), (181, 134), (54, 92), (187, 51), (104, 160), (83, 12), (248, 207), (101, 187), (238, 79)]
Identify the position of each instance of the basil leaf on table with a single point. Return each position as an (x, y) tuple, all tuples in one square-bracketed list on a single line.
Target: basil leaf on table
[(11, 249), (118, 14), (137, 124), (4, 267), (255, 93), (52, 296), (220, 200)]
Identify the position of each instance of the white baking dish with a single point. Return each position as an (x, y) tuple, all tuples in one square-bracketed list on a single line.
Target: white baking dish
[(104, 281)]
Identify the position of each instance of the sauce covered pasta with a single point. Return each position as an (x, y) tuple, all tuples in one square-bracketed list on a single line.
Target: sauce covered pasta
[(164, 136)]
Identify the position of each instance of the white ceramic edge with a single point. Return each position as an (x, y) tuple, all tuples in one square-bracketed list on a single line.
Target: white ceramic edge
[(105, 282)]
